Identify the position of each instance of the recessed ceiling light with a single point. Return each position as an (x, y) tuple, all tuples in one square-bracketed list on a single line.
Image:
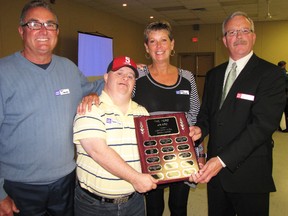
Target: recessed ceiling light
[(124, 5), (151, 17)]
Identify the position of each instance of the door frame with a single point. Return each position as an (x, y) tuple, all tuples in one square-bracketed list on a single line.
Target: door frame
[(199, 73)]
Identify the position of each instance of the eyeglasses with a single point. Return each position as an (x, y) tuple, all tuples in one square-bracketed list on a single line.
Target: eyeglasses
[(234, 32), (35, 25)]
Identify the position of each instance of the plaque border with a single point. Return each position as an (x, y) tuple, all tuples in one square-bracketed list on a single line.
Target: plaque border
[(142, 136)]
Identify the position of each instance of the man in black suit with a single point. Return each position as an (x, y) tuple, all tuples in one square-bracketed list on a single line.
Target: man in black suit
[(239, 166)]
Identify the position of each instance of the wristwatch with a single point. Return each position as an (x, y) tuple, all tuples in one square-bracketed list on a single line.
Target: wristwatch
[(200, 148)]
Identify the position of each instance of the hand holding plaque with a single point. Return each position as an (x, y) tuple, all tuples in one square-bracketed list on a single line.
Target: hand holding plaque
[(166, 150)]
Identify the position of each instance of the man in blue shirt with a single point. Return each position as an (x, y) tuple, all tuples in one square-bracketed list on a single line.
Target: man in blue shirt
[(39, 94)]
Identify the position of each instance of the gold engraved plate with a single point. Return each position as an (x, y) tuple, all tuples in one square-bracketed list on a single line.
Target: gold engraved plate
[(185, 155), (166, 141), (153, 159), (151, 151), (169, 157), (158, 176), (183, 147), (167, 149), (181, 139), (188, 172), (173, 174), (188, 163), (150, 143), (154, 168), (169, 166)]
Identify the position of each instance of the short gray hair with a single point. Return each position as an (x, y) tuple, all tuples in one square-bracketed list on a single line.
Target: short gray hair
[(237, 13)]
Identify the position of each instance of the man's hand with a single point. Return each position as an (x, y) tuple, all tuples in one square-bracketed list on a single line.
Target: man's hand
[(88, 101), (7, 207), (210, 169), (195, 133), (144, 183)]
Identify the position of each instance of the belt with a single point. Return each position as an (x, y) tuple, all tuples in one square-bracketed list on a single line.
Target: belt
[(118, 200)]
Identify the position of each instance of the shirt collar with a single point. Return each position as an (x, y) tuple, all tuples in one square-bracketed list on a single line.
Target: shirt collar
[(240, 62)]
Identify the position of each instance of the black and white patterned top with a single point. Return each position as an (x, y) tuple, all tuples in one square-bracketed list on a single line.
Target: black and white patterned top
[(160, 99)]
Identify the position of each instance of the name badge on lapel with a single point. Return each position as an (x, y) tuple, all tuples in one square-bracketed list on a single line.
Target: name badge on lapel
[(245, 96)]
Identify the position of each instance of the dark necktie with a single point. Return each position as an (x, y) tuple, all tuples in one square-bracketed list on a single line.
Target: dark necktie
[(229, 82)]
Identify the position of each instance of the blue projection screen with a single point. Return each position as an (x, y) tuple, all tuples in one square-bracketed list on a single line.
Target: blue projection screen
[(95, 52)]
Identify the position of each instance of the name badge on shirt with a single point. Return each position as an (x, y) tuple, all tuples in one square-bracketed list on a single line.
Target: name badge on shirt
[(112, 121), (62, 92), (245, 96), (182, 92)]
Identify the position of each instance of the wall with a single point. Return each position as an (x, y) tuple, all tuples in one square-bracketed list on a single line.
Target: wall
[(74, 17), (271, 43)]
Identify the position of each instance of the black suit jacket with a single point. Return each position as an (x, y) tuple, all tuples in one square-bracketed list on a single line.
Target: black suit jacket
[(240, 133)]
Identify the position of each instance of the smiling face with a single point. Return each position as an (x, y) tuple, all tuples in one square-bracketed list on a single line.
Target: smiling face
[(120, 83), (241, 44), (38, 43), (159, 45)]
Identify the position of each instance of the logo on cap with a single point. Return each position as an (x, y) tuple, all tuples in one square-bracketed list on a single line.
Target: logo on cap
[(122, 61)]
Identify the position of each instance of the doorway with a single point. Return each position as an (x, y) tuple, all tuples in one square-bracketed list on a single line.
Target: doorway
[(199, 64)]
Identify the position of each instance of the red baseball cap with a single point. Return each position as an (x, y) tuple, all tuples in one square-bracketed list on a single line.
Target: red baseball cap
[(123, 61)]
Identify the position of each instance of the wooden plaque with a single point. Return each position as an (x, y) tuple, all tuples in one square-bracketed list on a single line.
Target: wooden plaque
[(165, 147)]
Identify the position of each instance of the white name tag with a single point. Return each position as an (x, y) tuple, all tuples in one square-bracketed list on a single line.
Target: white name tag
[(245, 96), (112, 121), (182, 92), (62, 92)]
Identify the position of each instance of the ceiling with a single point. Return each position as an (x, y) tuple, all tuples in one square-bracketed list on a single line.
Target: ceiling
[(189, 12)]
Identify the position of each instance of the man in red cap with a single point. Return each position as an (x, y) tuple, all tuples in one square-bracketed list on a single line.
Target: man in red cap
[(108, 163), (123, 61)]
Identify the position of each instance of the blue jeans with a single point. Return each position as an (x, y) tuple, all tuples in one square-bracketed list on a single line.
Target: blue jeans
[(86, 205), (54, 199)]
